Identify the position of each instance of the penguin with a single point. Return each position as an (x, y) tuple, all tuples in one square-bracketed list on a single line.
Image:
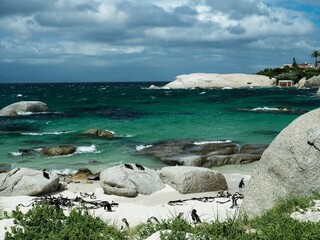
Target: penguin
[(128, 166), (152, 218), (241, 183), (45, 174), (124, 220), (140, 167), (195, 217)]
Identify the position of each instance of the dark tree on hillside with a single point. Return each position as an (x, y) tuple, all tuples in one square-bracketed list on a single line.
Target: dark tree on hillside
[(315, 54), (294, 63)]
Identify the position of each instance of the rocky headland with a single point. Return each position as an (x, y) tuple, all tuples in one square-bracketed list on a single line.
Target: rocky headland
[(214, 80)]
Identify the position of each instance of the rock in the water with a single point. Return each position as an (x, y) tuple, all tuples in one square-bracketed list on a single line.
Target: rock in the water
[(193, 179), (290, 165), (318, 93), (213, 80), (22, 107), (129, 181), (25, 181), (99, 133), (211, 154), (60, 150)]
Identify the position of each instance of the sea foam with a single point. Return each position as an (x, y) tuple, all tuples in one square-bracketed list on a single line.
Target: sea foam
[(141, 147), (87, 149), (46, 133), (215, 141)]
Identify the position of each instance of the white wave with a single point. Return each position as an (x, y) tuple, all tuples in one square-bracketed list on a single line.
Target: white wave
[(19, 95), (110, 131), (202, 93), (63, 171), (46, 133), (268, 109), (140, 147), (15, 154), (31, 113), (87, 149), (215, 141), (227, 88)]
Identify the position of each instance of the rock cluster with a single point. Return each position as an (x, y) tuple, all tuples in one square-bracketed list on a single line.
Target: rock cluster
[(99, 133), (290, 166), (188, 153)]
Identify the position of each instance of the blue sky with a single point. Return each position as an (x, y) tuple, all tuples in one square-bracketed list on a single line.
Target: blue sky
[(151, 40)]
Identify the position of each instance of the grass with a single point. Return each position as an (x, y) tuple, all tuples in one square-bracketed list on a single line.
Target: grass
[(47, 222)]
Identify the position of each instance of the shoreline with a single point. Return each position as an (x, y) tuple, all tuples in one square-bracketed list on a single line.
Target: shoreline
[(137, 210)]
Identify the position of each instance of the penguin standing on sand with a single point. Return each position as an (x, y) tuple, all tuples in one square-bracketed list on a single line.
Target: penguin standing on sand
[(195, 217), (241, 183)]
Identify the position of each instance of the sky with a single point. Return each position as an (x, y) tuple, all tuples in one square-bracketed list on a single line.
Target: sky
[(151, 40)]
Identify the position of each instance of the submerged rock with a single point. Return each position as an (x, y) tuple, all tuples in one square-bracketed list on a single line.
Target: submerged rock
[(22, 107), (211, 154), (193, 179), (25, 181), (99, 133), (289, 166), (129, 180), (59, 150)]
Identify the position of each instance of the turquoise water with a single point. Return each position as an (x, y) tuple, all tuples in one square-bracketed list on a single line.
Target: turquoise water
[(139, 116)]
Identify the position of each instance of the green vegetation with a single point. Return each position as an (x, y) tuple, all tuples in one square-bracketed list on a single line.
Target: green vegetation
[(290, 73), (46, 222), (315, 54)]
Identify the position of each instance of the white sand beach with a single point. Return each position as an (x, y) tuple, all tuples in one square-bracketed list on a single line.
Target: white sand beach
[(137, 210)]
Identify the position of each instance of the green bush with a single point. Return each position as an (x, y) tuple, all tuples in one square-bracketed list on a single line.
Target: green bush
[(47, 222)]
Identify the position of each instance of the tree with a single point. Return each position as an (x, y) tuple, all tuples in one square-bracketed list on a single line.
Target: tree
[(315, 54), (294, 63)]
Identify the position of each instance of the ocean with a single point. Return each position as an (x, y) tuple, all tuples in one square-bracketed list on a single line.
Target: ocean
[(139, 117)]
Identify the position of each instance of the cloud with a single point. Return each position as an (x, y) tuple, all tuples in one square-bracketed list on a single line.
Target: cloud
[(124, 32)]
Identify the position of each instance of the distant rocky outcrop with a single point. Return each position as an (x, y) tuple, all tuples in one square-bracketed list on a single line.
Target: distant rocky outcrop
[(309, 83), (193, 179), (290, 166), (129, 180), (214, 80), (210, 154), (25, 181), (24, 106), (59, 150), (99, 133)]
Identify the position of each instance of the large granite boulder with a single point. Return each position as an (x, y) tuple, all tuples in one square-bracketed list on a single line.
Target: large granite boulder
[(203, 154), (25, 181), (22, 107), (312, 82), (193, 179), (318, 92), (99, 133), (289, 166), (59, 150), (129, 180)]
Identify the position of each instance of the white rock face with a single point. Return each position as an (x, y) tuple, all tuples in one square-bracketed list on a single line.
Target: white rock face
[(22, 107), (213, 80), (25, 181), (290, 165)]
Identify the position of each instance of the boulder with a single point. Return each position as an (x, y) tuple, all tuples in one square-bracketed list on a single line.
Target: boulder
[(193, 179), (312, 82), (59, 150), (129, 180), (289, 166), (22, 107), (318, 93), (99, 133), (25, 181)]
